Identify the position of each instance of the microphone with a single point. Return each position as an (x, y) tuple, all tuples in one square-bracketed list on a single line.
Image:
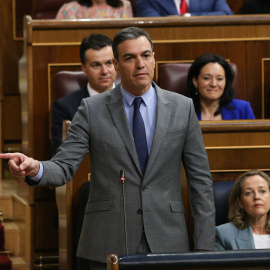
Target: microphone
[(122, 178)]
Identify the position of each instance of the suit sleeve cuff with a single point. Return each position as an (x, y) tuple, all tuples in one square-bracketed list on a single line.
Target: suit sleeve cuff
[(34, 181)]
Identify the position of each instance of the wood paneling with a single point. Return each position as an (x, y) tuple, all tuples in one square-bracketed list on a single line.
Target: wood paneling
[(12, 118), (266, 86), (257, 51), (238, 145), (20, 9), (11, 51), (46, 226)]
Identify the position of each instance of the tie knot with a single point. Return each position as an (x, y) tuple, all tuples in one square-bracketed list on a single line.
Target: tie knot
[(137, 102)]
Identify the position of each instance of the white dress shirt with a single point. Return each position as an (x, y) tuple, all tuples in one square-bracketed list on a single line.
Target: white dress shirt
[(178, 2)]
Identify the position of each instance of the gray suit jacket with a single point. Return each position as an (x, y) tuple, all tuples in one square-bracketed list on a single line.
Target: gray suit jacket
[(153, 201), (228, 237)]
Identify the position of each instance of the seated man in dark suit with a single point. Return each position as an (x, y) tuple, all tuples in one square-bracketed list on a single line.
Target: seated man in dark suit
[(157, 8), (96, 57)]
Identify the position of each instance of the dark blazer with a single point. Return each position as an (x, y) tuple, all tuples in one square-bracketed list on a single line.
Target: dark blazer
[(65, 109), (236, 110), (256, 7), (153, 200), (157, 8), (228, 237)]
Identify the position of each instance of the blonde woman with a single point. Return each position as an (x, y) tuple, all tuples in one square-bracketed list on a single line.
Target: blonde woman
[(249, 206)]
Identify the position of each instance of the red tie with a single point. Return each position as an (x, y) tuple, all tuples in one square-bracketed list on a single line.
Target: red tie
[(183, 7)]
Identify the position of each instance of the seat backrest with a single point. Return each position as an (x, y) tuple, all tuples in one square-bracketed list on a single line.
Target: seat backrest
[(46, 9), (173, 77), (222, 192), (66, 82)]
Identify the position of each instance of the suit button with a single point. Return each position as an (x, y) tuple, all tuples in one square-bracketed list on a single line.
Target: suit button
[(144, 188), (139, 211)]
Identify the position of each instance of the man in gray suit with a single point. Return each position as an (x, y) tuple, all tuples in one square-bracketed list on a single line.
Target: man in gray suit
[(104, 124)]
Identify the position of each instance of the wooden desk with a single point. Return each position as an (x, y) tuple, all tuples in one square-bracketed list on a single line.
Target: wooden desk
[(218, 260)]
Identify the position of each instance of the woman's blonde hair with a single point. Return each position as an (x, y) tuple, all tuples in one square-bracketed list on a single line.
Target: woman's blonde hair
[(237, 215)]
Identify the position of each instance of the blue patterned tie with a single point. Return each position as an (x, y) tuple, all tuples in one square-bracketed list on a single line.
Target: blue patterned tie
[(139, 134)]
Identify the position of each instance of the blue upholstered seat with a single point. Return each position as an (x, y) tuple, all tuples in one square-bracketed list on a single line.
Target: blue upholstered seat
[(222, 192)]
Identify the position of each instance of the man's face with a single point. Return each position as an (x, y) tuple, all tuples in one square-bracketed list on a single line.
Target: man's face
[(99, 68), (136, 65)]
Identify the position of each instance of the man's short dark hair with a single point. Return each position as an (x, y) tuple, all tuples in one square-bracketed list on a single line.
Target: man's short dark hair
[(95, 42), (126, 34)]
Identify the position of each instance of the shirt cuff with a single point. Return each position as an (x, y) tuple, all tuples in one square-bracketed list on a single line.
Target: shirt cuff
[(38, 177)]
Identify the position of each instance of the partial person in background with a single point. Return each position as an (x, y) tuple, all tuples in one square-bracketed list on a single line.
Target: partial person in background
[(249, 206), (158, 8), (209, 84), (96, 62), (256, 7), (94, 9)]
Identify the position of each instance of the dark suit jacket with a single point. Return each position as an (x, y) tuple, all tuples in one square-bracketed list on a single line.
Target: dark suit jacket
[(65, 109), (153, 200), (237, 109), (256, 7), (228, 237), (157, 8)]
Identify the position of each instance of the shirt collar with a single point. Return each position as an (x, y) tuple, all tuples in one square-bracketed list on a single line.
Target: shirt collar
[(92, 92), (129, 98)]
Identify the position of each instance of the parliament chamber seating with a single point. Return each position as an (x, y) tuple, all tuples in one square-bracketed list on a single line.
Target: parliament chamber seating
[(173, 77), (222, 190), (47, 9), (66, 82), (232, 146)]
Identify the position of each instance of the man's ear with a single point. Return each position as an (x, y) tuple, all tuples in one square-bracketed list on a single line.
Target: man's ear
[(115, 63), (83, 69)]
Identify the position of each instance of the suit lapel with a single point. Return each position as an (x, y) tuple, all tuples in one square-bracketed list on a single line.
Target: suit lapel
[(118, 114), (244, 239), (170, 6), (162, 122)]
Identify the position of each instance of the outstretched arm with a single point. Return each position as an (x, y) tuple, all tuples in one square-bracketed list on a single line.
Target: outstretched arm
[(21, 165)]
